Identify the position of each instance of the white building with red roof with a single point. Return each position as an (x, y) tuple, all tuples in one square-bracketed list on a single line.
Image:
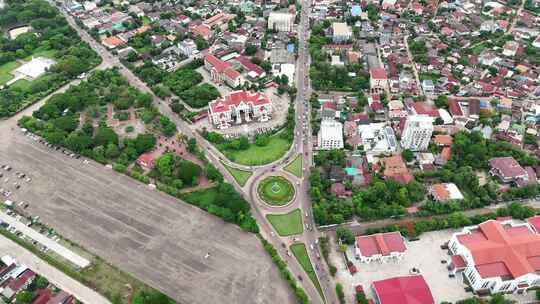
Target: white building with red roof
[(378, 79), (238, 107), (497, 256), (411, 289), (222, 72), (380, 247), (510, 171)]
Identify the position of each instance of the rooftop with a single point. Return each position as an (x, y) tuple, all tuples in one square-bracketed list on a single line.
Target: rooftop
[(403, 290)]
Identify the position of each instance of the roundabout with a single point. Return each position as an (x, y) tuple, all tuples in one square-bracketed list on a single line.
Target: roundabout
[(276, 191)]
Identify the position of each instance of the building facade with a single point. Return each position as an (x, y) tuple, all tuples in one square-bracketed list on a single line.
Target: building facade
[(330, 135), (222, 72), (281, 21), (239, 107), (497, 256), (417, 133)]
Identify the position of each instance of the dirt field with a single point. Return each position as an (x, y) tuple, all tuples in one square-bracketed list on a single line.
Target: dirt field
[(157, 238)]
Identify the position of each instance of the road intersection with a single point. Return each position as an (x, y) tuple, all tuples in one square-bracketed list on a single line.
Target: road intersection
[(301, 145)]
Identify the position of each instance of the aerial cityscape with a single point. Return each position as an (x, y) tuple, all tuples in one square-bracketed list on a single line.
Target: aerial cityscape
[(276, 151)]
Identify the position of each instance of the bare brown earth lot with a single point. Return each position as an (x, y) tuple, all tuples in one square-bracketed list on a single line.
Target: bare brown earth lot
[(160, 240)]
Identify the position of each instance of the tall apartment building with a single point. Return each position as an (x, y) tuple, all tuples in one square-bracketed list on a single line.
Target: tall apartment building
[(281, 21), (330, 135), (417, 132)]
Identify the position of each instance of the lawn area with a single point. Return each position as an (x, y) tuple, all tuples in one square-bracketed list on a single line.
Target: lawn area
[(295, 167), (287, 224), (22, 84), (41, 53), (256, 155), (300, 253), (5, 68), (240, 176), (202, 197), (276, 190)]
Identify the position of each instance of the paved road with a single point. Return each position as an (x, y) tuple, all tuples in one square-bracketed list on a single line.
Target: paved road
[(55, 276), (64, 252), (215, 157)]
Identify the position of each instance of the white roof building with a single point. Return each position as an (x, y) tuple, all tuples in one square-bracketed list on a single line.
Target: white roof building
[(377, 138), (417, 132), (330, 135), (281, 21), (32, 69)]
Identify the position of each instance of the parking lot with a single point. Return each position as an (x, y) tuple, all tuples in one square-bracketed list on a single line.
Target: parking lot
[(156, 238), (425, 255)]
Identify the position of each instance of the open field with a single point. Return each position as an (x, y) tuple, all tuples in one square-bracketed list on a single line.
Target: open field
[(300, 253), (287, 224), (295, 167), (240, 176), (5, 70), (143, 232), (255, 155)]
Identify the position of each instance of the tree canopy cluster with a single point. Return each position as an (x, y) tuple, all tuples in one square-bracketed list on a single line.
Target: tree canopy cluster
[(58, 121), (49, 33)]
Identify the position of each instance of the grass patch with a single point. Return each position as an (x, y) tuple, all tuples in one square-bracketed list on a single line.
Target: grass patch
[(295, 167), (276, 190), (256, 155), (300, 253), (240, 176), (39, 52), (5, 68), (22, 84), (287, 224), (202, 197)]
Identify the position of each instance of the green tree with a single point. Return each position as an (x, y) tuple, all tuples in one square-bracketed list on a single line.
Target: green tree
[(24, 297), (345, 235), (188, 171), (145, 142), (164, 164), (407, 155), (41, 282)]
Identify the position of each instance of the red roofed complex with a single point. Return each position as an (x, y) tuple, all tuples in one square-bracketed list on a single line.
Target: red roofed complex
[(499, 256), (222, 71), (380, 247), (146, 160), (225, 110), (403, 290), (510, 171), (378, 79)]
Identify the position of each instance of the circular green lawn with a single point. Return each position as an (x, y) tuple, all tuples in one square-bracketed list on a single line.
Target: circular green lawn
[(276, 190)]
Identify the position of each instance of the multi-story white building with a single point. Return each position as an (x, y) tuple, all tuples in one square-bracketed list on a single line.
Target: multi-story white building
[(281, 21), (417, 132), (330, 135), (239, 107), (187, 47), (497, 256), (341, 32)]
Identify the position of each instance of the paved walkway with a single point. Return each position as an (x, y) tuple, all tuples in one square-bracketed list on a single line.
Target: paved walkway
[(64, 252), (55, 276)]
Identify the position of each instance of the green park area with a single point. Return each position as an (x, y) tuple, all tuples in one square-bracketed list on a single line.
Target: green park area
[(260, 155), (275, 190), (287, 224), (300, 253), (240, 176), (295, 167), (5, 70)]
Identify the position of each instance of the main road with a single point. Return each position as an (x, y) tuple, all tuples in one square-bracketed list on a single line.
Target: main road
[(301, 145)]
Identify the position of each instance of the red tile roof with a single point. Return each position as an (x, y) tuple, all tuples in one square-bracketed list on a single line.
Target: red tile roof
[(396, 169), (507, 167), (43, 297), (403, 290), (381, 243), (378, 73), (500, 251), (224, 104), (534, 222), (422, 108), (250, 66), (22, 279)]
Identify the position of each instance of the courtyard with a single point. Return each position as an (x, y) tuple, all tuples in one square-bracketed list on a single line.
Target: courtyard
[(425, 255)]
